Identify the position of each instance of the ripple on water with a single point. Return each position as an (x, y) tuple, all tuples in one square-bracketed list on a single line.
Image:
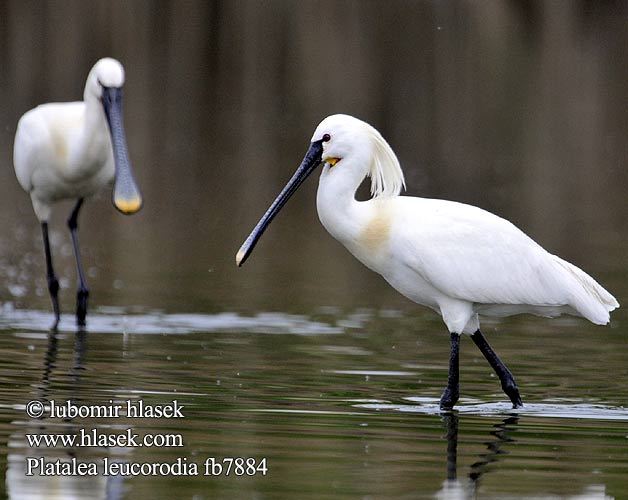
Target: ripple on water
[(110, 320), (550, 408)]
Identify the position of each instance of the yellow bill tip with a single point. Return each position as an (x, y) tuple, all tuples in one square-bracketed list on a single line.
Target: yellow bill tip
[(239, 257), (128, 206)]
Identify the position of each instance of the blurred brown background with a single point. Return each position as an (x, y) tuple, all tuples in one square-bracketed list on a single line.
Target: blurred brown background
[(519, 107)]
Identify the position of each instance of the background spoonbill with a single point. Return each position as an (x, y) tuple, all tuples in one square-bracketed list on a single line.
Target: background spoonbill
[(457, 259), (71, 150)]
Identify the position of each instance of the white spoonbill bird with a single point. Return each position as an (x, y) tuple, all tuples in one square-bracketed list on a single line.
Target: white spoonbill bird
[(71, 150), (457, 259)]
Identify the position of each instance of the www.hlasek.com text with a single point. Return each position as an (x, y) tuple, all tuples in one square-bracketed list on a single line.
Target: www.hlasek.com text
[(95, 438)]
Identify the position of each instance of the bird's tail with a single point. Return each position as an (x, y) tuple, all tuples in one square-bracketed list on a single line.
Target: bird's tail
[(589, 298)]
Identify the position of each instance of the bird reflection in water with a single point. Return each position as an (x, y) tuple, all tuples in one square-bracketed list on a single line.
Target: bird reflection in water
[(453, 488), (20, 486), (501, 435)]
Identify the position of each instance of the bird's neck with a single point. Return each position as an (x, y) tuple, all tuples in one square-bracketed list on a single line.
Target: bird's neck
[(95, 115), (340, 213), (95, 143)]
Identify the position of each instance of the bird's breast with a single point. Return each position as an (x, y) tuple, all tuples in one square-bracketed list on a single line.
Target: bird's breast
[(365, 230), (374, 235)]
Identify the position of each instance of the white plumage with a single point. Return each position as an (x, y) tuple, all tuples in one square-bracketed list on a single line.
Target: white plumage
[(457, 259)]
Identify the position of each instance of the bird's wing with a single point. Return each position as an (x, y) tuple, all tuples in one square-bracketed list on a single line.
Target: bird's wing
[(470, 254), (43, 141), (28, 131)]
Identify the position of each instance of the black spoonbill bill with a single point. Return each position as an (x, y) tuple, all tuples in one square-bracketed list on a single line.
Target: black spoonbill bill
[(456, 259), (71, 150)]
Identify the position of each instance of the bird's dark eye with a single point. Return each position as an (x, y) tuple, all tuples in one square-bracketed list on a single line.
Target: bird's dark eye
[(326, 138)]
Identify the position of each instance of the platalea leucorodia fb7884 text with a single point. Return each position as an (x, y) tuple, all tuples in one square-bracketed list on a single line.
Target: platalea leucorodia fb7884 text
[(71, 150), (457, 259)]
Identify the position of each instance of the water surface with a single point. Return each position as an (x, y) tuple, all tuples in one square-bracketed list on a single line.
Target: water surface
[(340, 405)]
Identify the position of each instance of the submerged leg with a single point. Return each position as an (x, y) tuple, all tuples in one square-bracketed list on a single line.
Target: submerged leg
[(450, 396), (53, 283), (83, 292), (505, 376)]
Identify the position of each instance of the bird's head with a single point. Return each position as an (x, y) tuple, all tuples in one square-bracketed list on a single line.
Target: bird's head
[(106, 73), (339, 138), (349, 148), (363, 150)]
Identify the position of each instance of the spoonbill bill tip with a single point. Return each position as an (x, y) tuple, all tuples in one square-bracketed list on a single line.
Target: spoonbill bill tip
[(128, 206), (240, 257)]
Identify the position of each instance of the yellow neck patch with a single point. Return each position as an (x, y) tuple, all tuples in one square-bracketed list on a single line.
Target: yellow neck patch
[(332, 161)]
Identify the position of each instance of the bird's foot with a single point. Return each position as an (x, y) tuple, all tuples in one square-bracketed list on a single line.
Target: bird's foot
[(449, 399), (81, 306), (516, 400), (512, 391)]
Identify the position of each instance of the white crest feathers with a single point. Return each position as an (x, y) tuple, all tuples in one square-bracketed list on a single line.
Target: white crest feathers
[(385, 171)]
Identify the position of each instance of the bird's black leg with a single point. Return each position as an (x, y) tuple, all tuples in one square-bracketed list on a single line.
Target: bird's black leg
[(505, 376), (450, 396), (53, 283), (83, 292)]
